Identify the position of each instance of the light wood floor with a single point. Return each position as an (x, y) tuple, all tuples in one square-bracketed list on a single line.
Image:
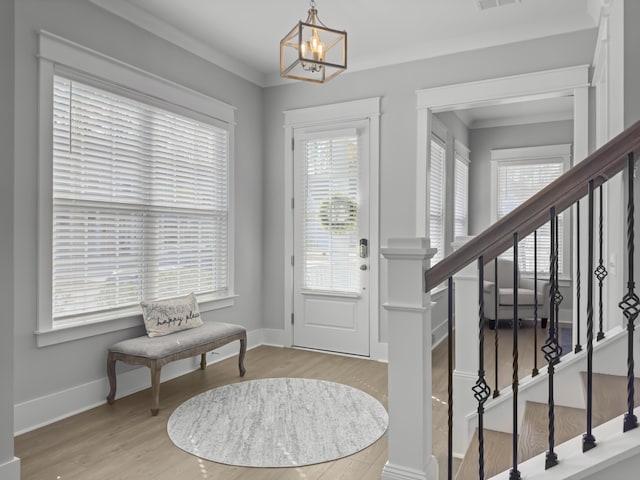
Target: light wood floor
[(123, 441)]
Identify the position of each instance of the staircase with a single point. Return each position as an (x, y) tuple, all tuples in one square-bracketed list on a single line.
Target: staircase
[(536, 427), (534, 431)]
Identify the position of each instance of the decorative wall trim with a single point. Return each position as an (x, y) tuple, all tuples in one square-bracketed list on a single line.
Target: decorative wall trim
[(145, 20), (397, 472), (10, 470), (63, 52), (544, 84), (404, 308)]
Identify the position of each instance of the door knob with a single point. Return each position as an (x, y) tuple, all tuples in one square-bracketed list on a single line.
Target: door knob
[(363, 267)]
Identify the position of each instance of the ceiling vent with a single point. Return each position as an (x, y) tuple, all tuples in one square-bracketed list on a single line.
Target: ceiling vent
[(484, 4)]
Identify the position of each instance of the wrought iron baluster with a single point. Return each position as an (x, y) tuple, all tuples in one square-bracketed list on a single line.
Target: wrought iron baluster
[(557, 296), (578, 347), (481, 391), (535, 372), (496, 390), (450, 379), (588, 440), (551, 348), (630, 304), (601, 271), (514, 473)]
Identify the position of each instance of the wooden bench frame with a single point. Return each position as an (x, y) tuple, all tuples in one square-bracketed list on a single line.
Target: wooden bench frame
[(156, 364)]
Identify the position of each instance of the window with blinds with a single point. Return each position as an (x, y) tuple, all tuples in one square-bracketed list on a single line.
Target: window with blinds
[(517, 181), (331, 206), (436, 197), (461, 196), (140, 203)]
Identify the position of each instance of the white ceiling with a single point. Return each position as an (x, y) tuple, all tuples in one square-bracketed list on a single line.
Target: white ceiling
[(243, 36)]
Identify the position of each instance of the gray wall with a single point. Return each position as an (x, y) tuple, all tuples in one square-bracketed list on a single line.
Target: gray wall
[(6, 234), (483, 140), (397, 86), (43, 371)]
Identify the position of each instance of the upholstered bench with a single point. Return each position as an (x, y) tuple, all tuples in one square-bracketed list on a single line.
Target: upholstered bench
[(155, 352)]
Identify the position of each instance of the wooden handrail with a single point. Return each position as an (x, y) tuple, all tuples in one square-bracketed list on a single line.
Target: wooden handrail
[(563, 192)]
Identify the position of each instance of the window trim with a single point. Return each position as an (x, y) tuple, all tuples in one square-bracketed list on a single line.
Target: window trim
[(58, 55), (460, 153), (561, 153)]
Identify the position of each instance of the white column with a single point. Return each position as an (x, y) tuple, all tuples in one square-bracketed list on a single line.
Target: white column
[(466, 351), (410, 407)]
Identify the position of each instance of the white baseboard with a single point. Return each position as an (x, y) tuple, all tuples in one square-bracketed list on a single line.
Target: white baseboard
[(439, 333), (10, 470), (397, 472), (50, 408), (273, 337), (380, 352)]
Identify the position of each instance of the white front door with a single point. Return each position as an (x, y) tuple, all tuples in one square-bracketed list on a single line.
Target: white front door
[(331, 238)]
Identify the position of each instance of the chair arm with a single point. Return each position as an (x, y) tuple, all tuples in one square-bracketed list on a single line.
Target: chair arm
[(489, 291), (543, 294)]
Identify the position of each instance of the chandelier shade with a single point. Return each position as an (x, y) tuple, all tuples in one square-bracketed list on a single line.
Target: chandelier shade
[(313, 52)]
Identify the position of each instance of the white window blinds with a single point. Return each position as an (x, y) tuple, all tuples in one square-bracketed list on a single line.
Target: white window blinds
[(331, 207), (140, 202), (461, 196), (436, 197), (516, 182)]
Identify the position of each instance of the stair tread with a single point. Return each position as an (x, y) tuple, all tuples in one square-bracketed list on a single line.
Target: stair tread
[(496, 444), (534, 431), (609, 396)]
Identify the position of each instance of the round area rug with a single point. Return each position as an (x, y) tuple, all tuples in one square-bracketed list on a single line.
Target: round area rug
[(277, 422)]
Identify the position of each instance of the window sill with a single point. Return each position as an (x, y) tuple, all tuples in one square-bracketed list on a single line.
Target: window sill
[(70, 332)]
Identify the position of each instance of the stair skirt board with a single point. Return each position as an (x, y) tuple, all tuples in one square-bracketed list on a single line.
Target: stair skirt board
[(617, 455), (609, 402)]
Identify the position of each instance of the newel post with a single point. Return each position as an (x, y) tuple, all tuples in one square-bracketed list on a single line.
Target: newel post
[(409, 341), (465, 374)]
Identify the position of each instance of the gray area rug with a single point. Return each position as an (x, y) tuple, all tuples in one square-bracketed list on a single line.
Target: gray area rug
[(277, 422)]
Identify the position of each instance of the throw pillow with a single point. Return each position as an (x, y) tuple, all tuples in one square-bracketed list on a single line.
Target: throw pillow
[(168, 316)]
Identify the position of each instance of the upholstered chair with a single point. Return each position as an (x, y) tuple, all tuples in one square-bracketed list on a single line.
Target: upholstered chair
[(526, 295)]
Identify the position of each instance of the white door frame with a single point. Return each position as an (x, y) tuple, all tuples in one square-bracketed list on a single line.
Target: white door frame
[(365, 109), (544, 84)]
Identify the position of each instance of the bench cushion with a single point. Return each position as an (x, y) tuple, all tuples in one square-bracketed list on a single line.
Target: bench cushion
[(159, 347)]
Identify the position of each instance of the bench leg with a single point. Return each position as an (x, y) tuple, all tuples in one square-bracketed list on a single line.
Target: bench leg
[(111, 373), (243, 350), (155, 389), (203, 361)]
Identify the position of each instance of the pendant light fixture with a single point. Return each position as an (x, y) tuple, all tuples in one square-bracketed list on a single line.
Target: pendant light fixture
[(313, 52)]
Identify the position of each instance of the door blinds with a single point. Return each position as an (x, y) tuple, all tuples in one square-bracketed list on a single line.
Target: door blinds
[(331, 207), (436, 198)]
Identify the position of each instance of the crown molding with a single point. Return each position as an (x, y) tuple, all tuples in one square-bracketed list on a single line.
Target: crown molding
[(162, 29)]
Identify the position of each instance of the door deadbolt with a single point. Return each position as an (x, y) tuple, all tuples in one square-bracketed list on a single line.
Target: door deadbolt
[(363, 249)]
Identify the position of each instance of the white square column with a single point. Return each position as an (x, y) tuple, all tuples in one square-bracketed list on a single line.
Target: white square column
[(410, 404), (465, 373)]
